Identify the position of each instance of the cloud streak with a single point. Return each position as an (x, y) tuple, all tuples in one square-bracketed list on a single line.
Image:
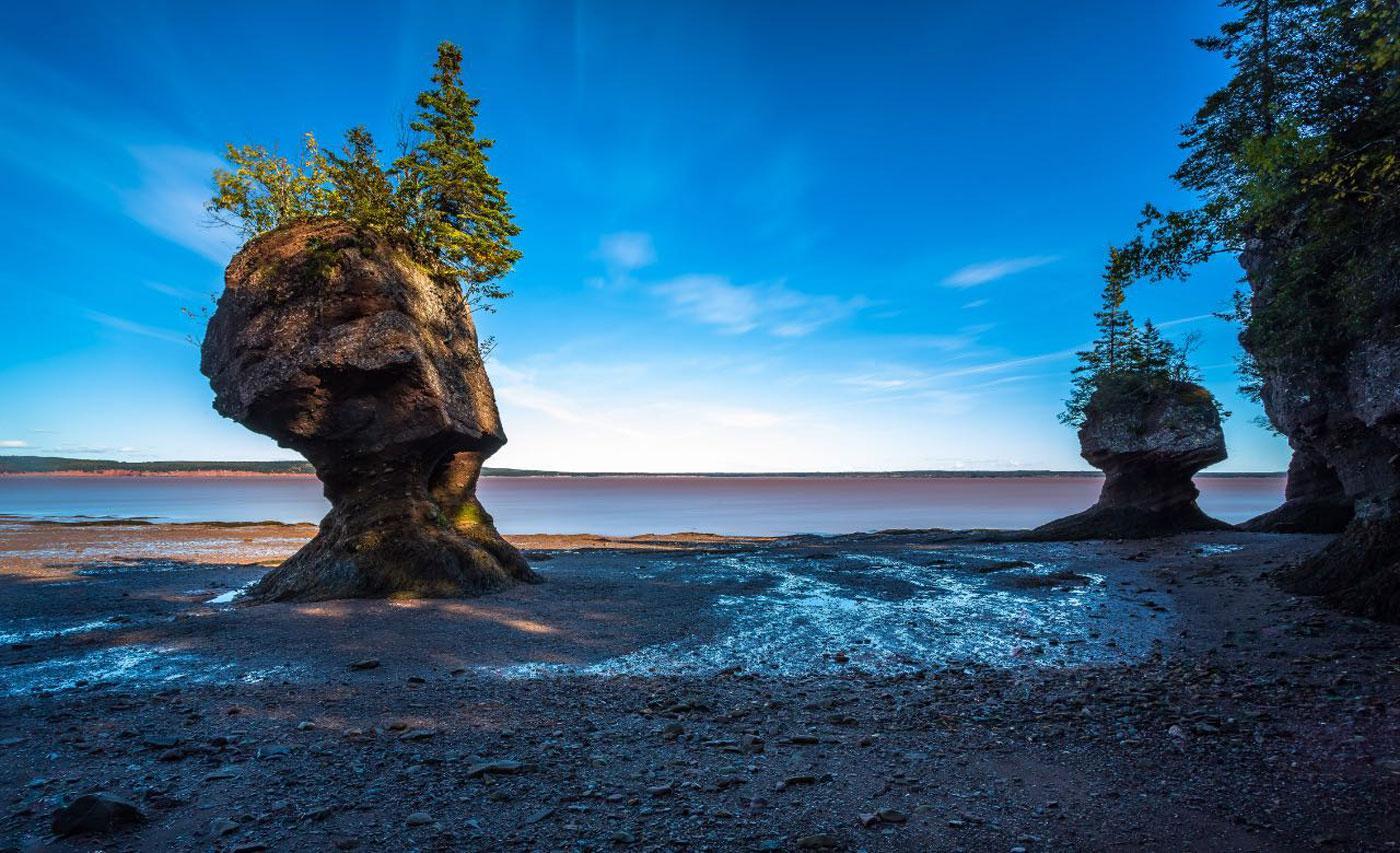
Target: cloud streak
[(1182, 321), (138, 328), (735, 309), (174, 185), (973, 275)]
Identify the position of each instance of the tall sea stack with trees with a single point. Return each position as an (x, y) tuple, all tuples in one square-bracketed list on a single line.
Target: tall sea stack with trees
[(1146, 422), (345, 333), (1296, 161)]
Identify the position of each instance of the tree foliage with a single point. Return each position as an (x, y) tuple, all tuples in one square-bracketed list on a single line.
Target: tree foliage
[(1296, 159), (438, 197), (1127, 364)]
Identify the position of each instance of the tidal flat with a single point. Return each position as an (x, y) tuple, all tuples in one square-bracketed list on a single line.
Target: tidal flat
[(898, 691)]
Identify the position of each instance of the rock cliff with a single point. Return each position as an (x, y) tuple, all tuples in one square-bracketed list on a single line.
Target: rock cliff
[(1346, 407), (1149, 444), (346, 348)]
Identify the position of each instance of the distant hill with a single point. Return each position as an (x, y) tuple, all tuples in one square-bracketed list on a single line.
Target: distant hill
[(62, 465)]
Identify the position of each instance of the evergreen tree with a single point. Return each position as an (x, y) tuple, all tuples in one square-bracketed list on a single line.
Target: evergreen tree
[(438, 198), (1114, 348), (361, 191), (1126, 365), (1298, 155), (461, 208)]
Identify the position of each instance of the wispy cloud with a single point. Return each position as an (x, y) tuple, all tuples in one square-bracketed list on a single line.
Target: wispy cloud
[(519, 388), (622, 254), (734, 309), (976, 303), (11, 443), (896, 381), (88, 450), (1182, 321), (174, 185), (138, 328), (170, 290), (966, 338), (982, 273), (742, 418), (1008, 364), (626, 251)]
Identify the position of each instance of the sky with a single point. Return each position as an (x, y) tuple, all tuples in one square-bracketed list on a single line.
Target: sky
[(757, 237)]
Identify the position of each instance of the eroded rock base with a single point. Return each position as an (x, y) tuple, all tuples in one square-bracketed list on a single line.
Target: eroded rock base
[(1315, 501), (400, 531), (346, 560), (1302, 516), (1126, 522), (1358, 572)]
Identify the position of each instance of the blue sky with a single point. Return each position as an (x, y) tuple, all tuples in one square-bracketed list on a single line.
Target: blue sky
[(806, 236)]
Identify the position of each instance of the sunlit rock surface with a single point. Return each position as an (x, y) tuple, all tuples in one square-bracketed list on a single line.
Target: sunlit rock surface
[(345, 348)]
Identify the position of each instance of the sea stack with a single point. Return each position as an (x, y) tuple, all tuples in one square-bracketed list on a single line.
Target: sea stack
[(1149, 447), (1313, 501), (353, 351)]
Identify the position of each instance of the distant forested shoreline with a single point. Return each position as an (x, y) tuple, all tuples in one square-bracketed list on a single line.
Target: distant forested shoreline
[(18, 465)]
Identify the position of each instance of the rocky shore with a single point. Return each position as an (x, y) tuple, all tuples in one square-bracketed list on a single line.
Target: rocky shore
[(926, 691)]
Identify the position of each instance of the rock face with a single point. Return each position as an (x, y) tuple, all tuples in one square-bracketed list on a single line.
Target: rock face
[(1345, 407), (343, 347), (1148, 449), (1314, 500)]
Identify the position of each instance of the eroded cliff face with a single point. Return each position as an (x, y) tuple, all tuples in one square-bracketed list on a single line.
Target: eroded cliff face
[(343, 347), (1313, 501), (1149, 449), (1346, 409)]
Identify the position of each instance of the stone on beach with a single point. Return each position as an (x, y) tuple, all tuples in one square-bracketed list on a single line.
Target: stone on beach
[(96, 813)]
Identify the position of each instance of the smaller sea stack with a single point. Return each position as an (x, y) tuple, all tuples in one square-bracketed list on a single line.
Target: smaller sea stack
[(1149, 444)]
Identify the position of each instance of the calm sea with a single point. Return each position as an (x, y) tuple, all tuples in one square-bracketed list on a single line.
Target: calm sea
[(626, 506)]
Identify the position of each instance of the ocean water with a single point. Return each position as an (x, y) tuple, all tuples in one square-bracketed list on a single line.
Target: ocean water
[(626, 506)]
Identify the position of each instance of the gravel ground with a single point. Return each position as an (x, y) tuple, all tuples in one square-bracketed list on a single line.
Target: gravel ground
[(884, 692)]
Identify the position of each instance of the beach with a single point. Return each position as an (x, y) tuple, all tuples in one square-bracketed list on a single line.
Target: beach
[(885, 691)]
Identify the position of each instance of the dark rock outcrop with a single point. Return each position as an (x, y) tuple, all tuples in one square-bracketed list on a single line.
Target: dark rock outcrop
[(346, 348), (1149, 449), (1314, 500), (1346, 407), (96, 813)]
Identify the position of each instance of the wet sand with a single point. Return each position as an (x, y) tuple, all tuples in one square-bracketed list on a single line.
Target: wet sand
[(699, 692)]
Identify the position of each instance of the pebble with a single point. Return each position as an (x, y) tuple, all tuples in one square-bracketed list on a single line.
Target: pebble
[(222, 826), (504, 767)]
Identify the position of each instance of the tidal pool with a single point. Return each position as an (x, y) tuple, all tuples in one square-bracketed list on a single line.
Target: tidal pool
[(138, 665), (1004, 605)]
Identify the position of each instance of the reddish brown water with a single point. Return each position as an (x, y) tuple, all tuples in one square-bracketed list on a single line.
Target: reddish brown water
[(623, 506)]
